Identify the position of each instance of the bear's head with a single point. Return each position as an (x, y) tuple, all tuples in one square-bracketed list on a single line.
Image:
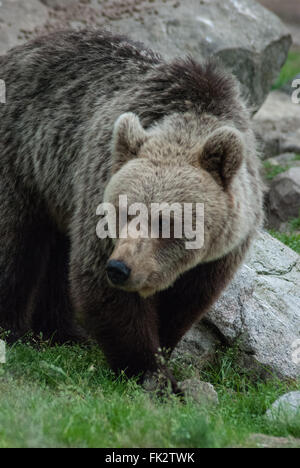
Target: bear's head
[(180, 172)]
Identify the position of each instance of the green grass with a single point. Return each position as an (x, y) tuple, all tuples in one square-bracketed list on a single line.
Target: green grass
[(67, 397), (292, 237), (289, 70), (295, 223), (292, 240), (272, 170)]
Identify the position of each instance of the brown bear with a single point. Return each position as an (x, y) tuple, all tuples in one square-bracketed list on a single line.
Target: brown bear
[(88, 117)]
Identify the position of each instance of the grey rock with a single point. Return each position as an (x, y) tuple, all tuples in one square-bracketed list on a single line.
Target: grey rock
[(200, 392), (198, 346), (277, 125), (18, 19), (260, 311), (283, 199), (286, 409)]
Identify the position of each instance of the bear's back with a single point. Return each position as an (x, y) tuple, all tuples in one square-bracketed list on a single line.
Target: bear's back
[(70, 61), (53, 87), (67, 68), (65, 91)]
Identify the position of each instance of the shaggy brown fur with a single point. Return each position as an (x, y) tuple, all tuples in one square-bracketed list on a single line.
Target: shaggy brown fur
[(90, 116)]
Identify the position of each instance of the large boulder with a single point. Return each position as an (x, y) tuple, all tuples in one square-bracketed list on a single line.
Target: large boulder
[(249, 40), (259, 313)]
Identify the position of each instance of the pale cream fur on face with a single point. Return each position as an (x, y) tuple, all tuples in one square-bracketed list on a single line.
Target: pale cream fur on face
[(163, 164)]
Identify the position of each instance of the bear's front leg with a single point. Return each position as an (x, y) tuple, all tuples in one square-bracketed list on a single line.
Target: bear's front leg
[(125, 326), (193, 294)]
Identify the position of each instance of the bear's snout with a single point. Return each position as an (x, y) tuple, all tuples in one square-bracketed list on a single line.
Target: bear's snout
[(118, 272)]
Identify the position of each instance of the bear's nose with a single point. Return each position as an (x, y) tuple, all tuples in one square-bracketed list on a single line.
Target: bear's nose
[(118, 272)]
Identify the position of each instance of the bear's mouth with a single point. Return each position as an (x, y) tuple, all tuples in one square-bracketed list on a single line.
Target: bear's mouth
[(143, 290), (147, 292)]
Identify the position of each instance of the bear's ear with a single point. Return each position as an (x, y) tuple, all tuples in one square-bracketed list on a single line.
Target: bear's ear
[(128, 137), (222, 154)]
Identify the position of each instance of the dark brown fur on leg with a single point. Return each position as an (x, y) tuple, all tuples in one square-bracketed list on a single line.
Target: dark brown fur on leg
[(21, 258), (53, 316), (193, 294)]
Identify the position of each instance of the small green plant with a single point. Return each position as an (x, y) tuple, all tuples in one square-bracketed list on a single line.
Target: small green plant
[(290, 69), (272, 170), (291, 240), (292, 237), (295, 223)]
